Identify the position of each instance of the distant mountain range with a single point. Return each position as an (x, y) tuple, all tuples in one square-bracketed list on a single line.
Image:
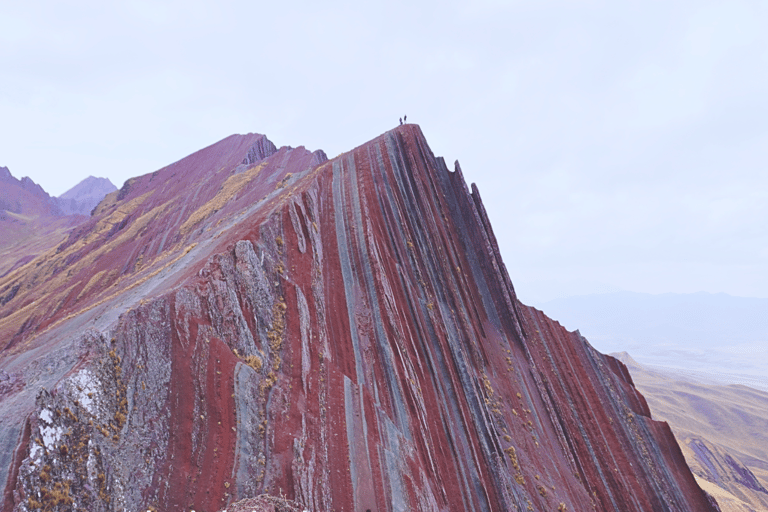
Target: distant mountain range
[(27, 198), (717, 337), (31, 221)]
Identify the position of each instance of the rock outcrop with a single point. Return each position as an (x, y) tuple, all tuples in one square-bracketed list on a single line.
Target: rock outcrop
[(341, 333)]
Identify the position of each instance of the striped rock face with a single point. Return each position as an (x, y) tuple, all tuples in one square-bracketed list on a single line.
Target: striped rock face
[(341, 333)]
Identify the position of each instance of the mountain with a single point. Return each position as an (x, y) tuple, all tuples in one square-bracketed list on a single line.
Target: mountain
[(32, 222), (722, 430), (718, 337), (24, 197), (83, 197), (342, 333)]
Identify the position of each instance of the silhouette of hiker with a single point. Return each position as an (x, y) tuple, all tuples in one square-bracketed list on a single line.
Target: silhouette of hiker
[(401, 120), (405, 119)]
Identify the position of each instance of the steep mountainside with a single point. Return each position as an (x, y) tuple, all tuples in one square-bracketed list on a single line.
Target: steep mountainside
[(253, 320), (83, 197), (723, 432)]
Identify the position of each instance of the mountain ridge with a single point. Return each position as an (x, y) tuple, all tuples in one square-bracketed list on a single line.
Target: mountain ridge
[(24, 196), (340, 331)]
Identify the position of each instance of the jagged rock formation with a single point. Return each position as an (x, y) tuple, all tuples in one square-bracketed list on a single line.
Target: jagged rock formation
[(253, 320), (83, 197), (24, 197)]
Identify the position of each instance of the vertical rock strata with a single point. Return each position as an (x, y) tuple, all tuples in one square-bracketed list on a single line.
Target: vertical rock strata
[(350, 340)]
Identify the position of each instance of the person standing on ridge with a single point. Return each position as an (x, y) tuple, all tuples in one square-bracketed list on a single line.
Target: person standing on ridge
[(401, 120), (405, 119)]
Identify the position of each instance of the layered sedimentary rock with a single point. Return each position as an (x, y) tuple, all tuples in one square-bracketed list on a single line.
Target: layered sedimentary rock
[(253, 320)]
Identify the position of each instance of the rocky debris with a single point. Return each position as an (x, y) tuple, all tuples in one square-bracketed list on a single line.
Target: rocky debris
[(340, 333), (69, 436), (265, 503), (10, 382)]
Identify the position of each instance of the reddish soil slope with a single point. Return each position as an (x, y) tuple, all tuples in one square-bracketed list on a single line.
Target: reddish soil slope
[(343, 333)]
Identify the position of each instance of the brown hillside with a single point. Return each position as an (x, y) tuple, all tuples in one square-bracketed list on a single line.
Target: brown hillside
[(722, 430)]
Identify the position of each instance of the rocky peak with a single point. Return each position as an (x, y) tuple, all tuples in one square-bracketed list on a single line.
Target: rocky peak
[(24, 196), (89, 187), (342, 334), (83, 197), (28, 184), (260, 150)]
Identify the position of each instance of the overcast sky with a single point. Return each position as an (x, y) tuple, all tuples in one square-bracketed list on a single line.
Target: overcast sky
[(615, 144)]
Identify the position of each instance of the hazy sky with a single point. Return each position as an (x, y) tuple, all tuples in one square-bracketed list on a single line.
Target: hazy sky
[(621, 143)]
